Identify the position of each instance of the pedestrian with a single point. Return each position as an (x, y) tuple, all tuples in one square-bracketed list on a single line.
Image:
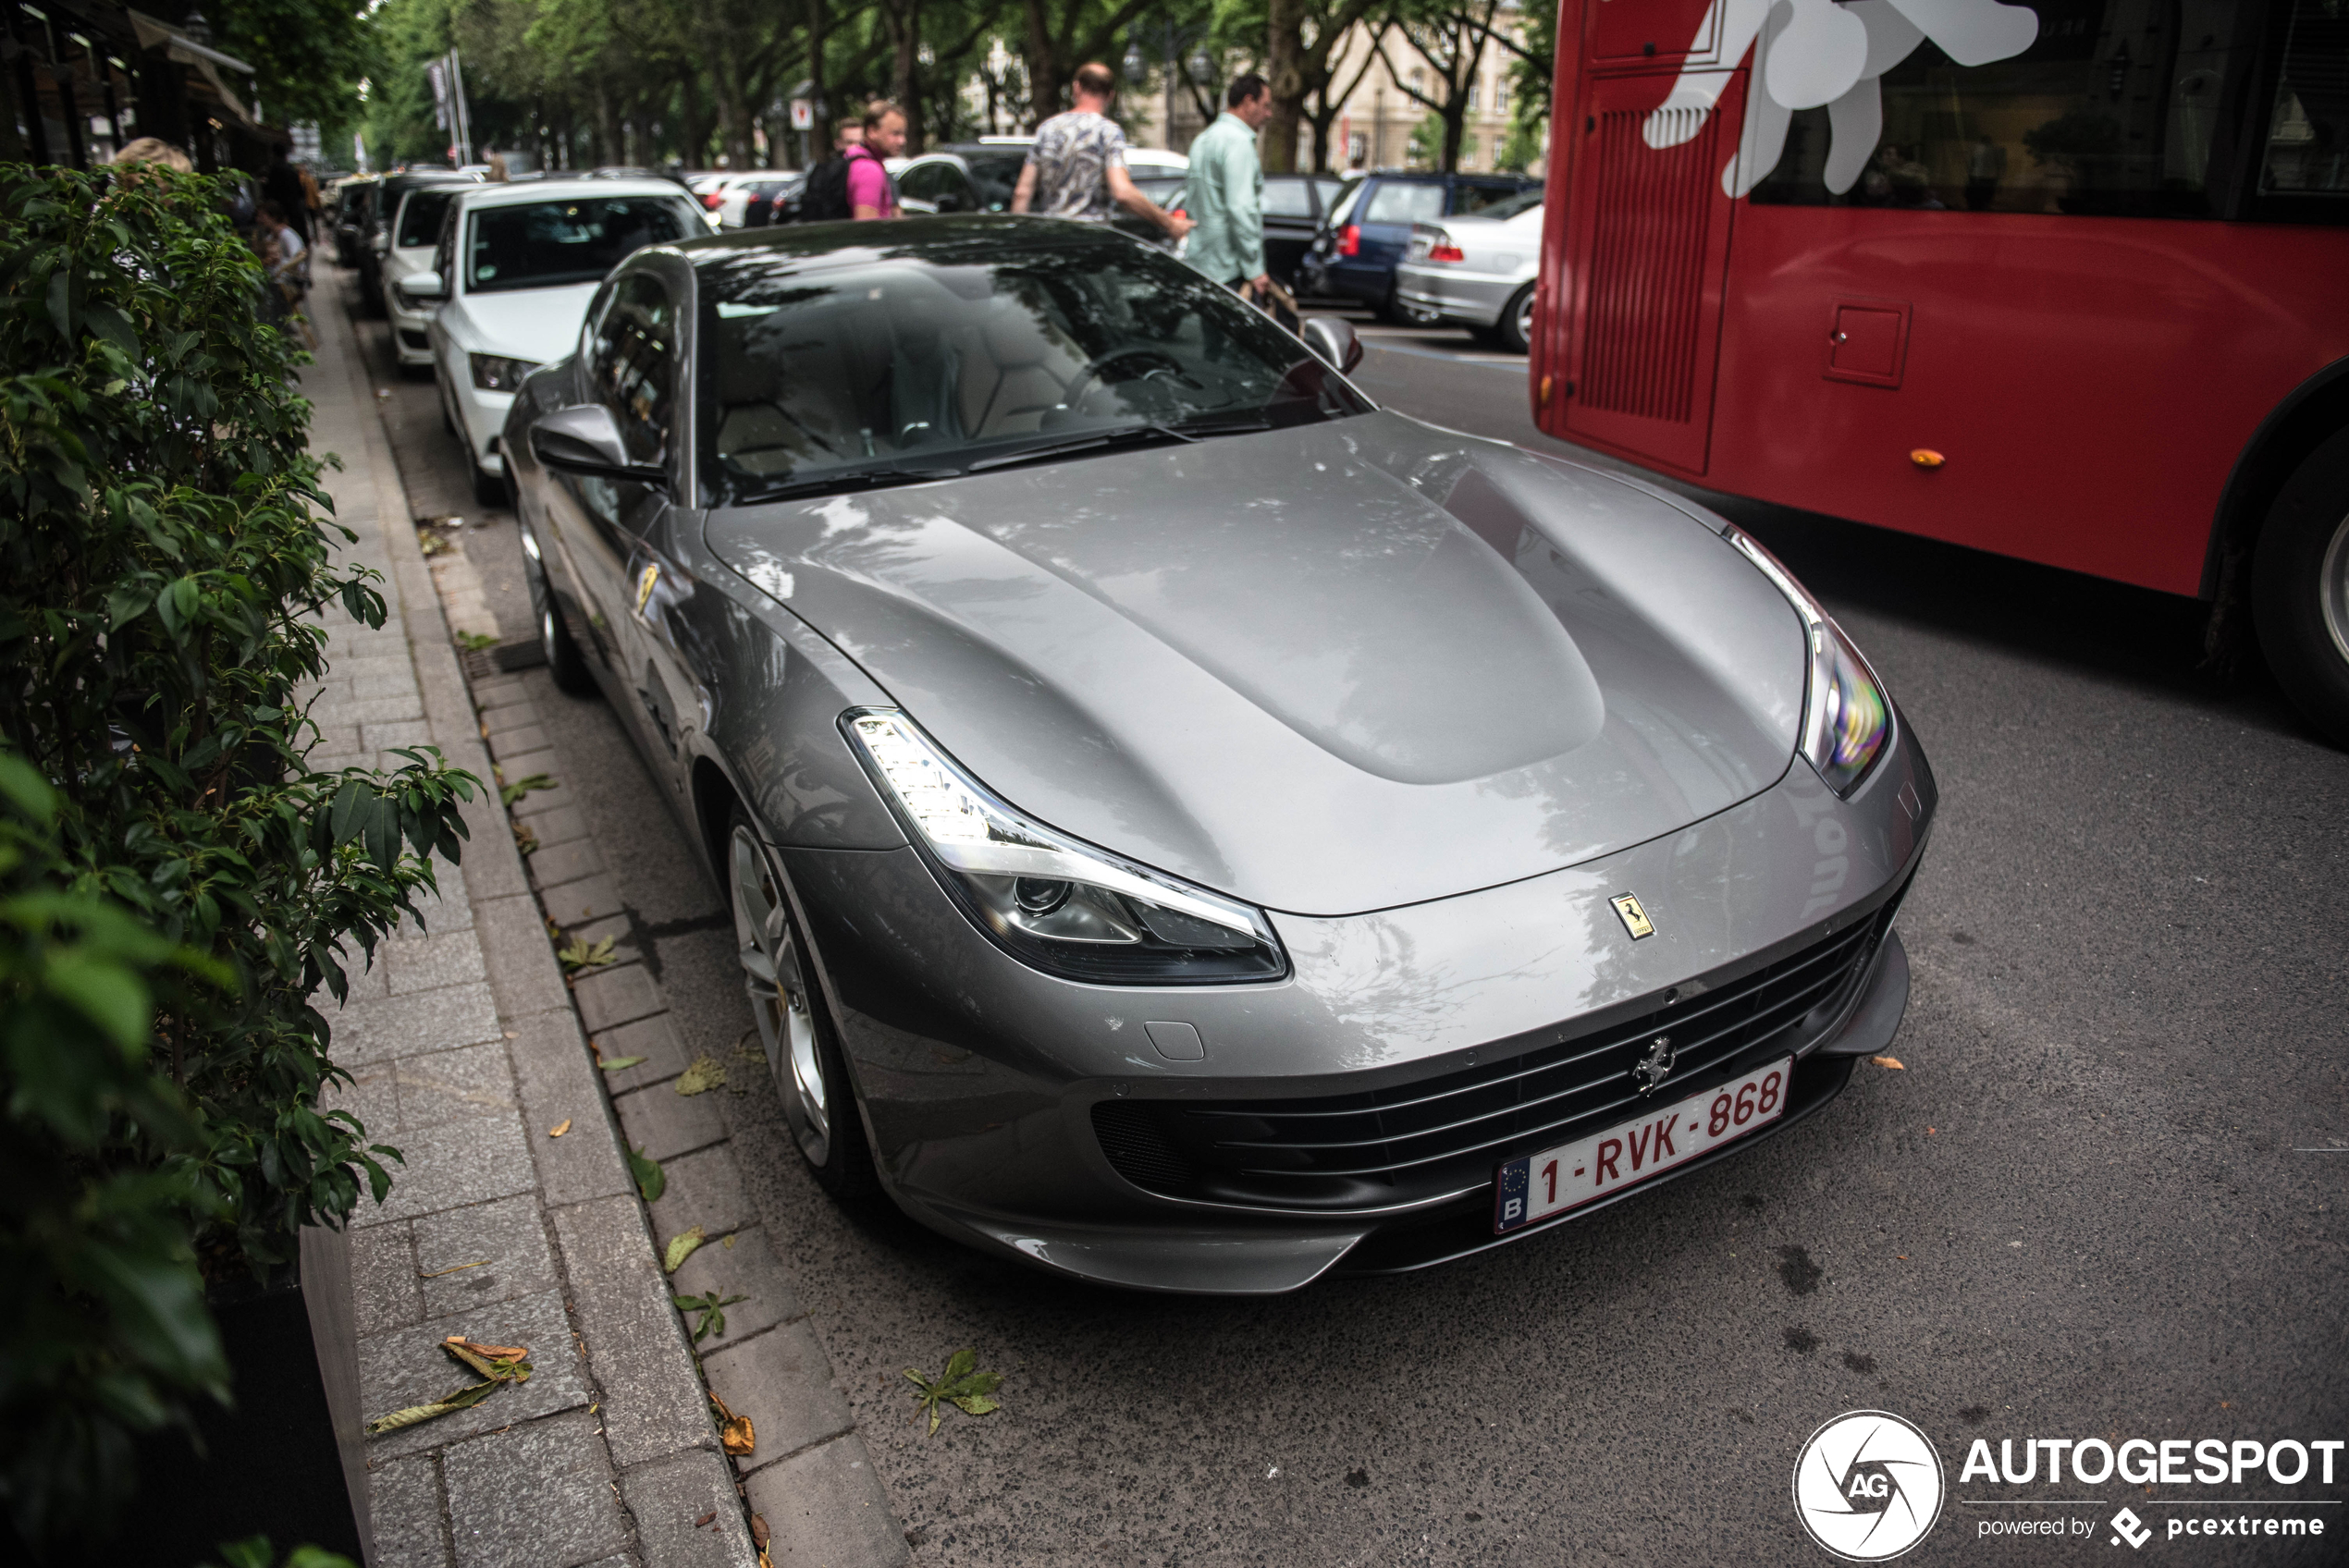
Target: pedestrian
[(1076, 168), (288, 259), (282, 184), (148, 150), (1225, 193), (498, 171), (871, 194)]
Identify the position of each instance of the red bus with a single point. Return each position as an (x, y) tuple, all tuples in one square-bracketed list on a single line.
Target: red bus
[(2066, 280)]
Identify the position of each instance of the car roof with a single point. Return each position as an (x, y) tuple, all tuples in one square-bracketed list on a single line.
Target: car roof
[(554, 190), (960, 237)]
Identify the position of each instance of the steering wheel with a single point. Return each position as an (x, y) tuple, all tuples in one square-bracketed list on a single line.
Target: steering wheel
[(1166, 364)]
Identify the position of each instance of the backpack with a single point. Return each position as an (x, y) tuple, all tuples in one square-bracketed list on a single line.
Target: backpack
[(825, 200)]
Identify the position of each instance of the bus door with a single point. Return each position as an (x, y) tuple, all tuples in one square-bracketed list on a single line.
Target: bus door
[(1648, 250)]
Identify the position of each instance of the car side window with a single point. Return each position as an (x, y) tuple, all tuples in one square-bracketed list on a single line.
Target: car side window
[(1469, 198), (1399, 202), (920, 183), (632, 363), (1287, 197)]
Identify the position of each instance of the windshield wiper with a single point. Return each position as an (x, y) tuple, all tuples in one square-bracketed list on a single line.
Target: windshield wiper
[(852, 479), (1187, 432)]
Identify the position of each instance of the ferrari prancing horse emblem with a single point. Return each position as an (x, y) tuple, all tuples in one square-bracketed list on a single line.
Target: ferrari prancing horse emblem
[(1657, 1066), (1635, 919)]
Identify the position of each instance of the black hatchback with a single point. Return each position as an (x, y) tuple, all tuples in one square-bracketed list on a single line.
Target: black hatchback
[(1360, 245)]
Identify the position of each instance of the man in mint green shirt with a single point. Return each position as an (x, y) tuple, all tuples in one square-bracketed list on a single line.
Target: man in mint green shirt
[(1225, 192)]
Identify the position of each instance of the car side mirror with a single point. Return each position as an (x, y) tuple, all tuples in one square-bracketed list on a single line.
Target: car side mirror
[(1332, 338), (423, 285), (948, 202), (587, 440)]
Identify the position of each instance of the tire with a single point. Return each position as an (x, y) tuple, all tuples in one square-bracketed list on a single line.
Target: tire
[(448, 420), (1514, 329), (2300, 588), (564, 661), (489, 489), (794, 1024)]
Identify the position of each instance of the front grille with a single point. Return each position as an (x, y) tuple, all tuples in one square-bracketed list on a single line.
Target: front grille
[(1422, 1140)]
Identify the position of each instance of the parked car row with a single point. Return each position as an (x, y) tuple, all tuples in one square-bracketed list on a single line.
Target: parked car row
[(1356, 250)]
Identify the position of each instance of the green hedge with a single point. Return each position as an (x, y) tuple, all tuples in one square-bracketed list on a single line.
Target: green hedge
[(174, 883)]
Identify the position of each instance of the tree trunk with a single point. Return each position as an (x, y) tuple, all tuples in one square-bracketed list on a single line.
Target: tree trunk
[(1047, 72), (1285, 72)]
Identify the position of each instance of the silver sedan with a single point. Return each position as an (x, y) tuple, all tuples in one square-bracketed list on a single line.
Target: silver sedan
[(1478, 271), (1187, 827)]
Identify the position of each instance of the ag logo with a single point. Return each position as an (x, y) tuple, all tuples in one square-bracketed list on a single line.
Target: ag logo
[(1867, 1486)]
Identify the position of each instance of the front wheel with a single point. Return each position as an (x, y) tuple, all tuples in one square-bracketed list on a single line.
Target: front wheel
[(564, 661), (794, 1025), (2300, 588)]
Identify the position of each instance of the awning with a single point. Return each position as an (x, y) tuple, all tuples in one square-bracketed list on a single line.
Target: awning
[(178, 45)]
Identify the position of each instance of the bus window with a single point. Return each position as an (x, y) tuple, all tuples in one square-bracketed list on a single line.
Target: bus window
[(2308, 135), (2113, 110)]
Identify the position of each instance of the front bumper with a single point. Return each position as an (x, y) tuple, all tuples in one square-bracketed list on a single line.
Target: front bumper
[(481, 416), (411, 330), (979, 1077), (1471, 299)]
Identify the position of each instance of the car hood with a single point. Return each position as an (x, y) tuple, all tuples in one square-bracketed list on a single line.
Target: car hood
[(539, 324), (1327, 670)]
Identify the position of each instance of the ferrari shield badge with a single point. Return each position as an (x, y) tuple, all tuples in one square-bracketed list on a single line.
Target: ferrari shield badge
[(1635, 919)]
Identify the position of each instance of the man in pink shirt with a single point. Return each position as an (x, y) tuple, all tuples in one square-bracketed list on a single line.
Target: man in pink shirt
[(870, 194)]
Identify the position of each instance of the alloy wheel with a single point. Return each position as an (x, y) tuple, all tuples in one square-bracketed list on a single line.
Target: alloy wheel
[(777, 984), (1525, 319), (2332, 589)]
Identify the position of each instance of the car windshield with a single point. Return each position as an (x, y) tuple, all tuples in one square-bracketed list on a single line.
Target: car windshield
[(420, 217), (1509, 206), (1396, 202), (570, 239), (958, 356)]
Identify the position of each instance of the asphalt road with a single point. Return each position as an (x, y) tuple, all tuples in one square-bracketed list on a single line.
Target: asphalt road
[(2083, 1208)]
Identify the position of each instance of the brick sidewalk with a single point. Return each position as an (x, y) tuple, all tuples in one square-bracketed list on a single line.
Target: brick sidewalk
[(466, 1052)]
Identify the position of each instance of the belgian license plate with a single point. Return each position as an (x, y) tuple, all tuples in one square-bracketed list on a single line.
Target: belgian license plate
[(1542, 1185)]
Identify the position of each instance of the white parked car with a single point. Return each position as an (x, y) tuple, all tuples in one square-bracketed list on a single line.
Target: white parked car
[(517, 267), (1477, 270), (410, 237)]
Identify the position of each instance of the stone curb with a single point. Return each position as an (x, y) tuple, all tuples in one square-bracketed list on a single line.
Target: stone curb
[(810, 1476), (591, 1460)]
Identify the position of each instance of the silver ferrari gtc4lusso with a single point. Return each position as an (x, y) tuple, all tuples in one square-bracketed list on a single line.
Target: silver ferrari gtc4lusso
[(1187, 827)]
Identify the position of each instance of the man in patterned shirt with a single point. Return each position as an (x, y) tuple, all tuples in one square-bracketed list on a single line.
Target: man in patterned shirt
[(1078, 167)]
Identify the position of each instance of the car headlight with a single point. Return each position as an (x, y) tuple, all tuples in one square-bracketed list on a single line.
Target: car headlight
[(1064, 907), (492, 374), (1847, 719)]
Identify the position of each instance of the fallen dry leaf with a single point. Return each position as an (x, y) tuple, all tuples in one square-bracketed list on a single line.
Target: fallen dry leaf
[(495, 1352), (559, 1128), (758, 1531), (734, 1433), (681, 1247), (457, 1268), (706, 1073), (704, 1519), (1891, 1061), (728, 1244)]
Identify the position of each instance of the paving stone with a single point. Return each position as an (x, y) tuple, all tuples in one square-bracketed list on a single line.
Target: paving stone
[(372, 1095), (511, 1233), (336, 738), (452, 911), (705, 1189), (400, 684), (664, 1124), (451, 1085), (500, 692), (619, 995), (557, 1081), (783, 1380), (521, 961), (407, 1366), (551, 865), (577, 903), (371, 663), (427, 963), (618, 927), (655, 1039), (412, 1025), (750, 1270), (396, 732), (458, 1162), (529, 738), (559, 825), (668, 1495), (825, 1509), (404, 1506), (380, 710), (522, 765), (538, 1497), (492, 871), (653, 1403), (506, 718), (383, 1279)]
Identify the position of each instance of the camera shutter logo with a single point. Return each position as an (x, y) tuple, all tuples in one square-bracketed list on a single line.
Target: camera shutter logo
[(1868, 1486)]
